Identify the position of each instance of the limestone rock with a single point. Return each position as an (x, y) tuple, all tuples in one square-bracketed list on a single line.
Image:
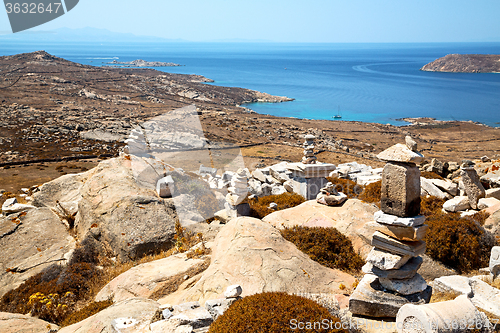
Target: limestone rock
[(400, 153), (165, 187), (406, 271), (217, 307), (493, 193), (143, 280), (495, 261), (484, 203), (119, 198), (446, 185), (233, 291), (432, 189), (415, 284), (411, 144), (493, 179), (457, 204), (400, 192), (18, 323), (473, 186), (31, 242), (386, 260), (369, 299), (452, 283), (254, 255), (257, 174), (395, 246), (393, 220), (349, 219), (399, 232), (485, 297), (132, 315)]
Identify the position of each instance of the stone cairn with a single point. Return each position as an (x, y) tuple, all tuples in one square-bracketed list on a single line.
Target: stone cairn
[(391, 279), (236, 199), (308, 145), (329, 196)]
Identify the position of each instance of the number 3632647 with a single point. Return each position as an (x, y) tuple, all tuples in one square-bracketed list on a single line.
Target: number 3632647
[(32, 8)]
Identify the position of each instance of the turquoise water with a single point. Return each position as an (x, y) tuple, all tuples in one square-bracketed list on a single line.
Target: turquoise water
[(367, 82)]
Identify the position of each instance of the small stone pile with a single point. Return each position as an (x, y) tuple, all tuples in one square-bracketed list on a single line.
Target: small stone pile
[(236, 199), (329, 196), (391, 278), (309, 157)]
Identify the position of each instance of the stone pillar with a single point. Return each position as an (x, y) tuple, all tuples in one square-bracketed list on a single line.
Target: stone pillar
[(473, 187), (236, 199), (458, 315), (309, 157), (391, 278)]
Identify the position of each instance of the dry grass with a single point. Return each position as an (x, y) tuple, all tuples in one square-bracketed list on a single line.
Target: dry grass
[(443, 296)]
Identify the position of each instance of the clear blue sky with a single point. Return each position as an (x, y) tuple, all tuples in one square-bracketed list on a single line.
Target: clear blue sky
[(290, 20)]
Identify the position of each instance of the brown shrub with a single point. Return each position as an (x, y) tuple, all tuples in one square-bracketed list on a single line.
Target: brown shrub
[(372, 193), (430, 175), (346, 186), (86, 312), (460, 243), (274, 312), (326, 246), (259, 207)]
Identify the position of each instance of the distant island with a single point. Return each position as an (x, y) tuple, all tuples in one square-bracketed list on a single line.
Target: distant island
[(142, 63), (465, 63)]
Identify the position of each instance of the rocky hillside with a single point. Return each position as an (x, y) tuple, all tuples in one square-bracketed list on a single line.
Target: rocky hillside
[(465, 63)]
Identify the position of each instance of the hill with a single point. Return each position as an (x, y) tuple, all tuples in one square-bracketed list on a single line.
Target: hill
[(465, 63)]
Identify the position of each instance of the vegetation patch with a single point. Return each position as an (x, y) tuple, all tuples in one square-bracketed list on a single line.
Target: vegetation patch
[(86, 312), (326, 246), (346, 186), (430, 175), (274, 312), (372, 193), (460, 243), (259, 207)]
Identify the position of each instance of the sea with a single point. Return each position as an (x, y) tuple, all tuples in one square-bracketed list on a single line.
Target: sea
[(367, 82)]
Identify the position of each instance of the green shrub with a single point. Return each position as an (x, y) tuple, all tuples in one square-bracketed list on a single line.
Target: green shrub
[(274, 312), (460, 243), (326, 246), (259, 207)]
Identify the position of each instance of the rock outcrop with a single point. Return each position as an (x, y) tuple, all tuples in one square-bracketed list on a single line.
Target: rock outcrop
[(31, 241), (465, 63), (18, 323), (253, 254)]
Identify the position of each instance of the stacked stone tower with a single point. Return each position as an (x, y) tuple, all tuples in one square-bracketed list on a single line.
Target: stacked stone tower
[(308, 145), (391, 279), (236, 199)]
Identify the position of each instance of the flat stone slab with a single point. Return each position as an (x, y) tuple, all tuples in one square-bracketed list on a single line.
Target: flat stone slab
[(415, 284), (384, 218), (370, 299), (457, 204), (385, 260), (406, 271), (400, 153), (399, 232), (392, 245)]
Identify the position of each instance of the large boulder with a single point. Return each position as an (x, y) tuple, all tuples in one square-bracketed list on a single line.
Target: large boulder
[(349, 219), (30, 242), (253, 254), (18, 323), (143, 280), (118, 205), (132, 315)]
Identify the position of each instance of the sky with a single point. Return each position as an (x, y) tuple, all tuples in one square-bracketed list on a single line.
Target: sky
[(315, 21)]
